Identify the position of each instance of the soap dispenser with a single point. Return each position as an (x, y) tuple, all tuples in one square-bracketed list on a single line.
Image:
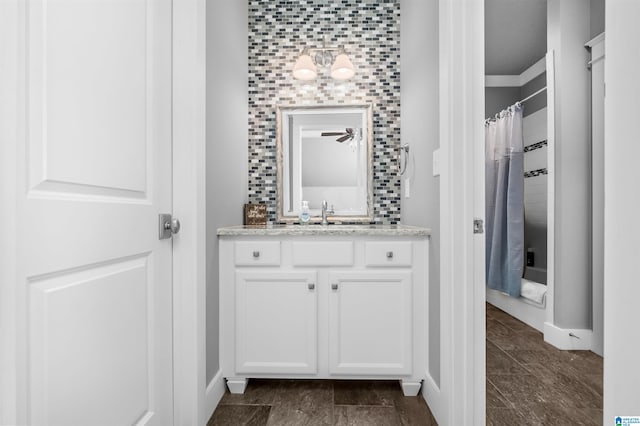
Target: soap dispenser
[(304, 213)]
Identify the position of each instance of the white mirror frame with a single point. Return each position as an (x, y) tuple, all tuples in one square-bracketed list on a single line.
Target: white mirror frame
[(288, 109)]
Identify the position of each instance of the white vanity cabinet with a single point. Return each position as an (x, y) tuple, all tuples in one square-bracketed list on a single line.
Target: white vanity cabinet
[(334, 302)]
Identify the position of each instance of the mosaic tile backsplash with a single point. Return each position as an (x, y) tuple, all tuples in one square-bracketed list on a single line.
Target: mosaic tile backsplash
[(369, 30)]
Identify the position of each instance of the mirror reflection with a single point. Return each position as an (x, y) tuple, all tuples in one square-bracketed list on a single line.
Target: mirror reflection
[(324, 153)]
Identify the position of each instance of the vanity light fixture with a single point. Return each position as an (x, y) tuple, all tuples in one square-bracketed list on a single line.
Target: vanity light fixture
[(310, 58), (305, 69)]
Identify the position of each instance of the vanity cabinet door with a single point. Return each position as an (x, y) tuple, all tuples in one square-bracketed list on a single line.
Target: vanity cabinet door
[(370, 323), (276, 322)]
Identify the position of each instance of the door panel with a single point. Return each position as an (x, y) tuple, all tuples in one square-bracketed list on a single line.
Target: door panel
[(90, 64), (66, 355), (94, 174)]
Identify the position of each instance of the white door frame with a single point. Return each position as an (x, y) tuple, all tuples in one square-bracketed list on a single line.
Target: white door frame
[(189, 54), (189, 205), (621, 175), (462, 288), (9, 83)]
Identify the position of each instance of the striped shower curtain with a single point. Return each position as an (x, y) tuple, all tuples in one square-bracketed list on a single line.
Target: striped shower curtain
[(504, 182)]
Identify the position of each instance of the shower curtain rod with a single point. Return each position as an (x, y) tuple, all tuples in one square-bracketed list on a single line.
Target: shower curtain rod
[(519, 102), (532, 95)]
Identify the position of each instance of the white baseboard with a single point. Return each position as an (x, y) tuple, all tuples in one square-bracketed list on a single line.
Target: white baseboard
[(533, 316), (433, 397), (214, 393), (567, 339)]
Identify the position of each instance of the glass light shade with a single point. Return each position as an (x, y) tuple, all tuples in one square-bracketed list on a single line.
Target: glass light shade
[(342, 68), (304, 68)]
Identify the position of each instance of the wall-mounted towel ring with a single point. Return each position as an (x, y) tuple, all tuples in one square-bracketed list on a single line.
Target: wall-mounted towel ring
[(402, 169)]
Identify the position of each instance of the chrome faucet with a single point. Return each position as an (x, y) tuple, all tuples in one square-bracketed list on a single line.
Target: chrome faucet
[(325, 211)]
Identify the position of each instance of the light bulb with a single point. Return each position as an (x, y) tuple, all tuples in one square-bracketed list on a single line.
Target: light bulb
[(304, 68), (342, 68)]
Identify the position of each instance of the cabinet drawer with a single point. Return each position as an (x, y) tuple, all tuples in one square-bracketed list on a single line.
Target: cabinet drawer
[(323, 253), (259, 253), (392, 253)]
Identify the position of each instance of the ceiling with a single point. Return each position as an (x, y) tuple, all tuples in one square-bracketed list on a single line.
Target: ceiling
[(515, 35)]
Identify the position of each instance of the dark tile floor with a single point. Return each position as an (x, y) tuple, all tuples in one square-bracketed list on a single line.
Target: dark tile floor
[(530, 382), (322, 402)]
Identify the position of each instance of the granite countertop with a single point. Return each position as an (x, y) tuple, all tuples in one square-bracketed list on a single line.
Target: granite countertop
[(320, 230)]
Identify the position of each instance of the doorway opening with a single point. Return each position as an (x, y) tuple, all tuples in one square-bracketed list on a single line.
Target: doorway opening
[(540, 362)]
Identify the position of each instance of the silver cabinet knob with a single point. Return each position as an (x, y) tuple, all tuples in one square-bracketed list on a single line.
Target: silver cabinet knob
[(334, 286), (311, 286), (389, 255), (256, 254)]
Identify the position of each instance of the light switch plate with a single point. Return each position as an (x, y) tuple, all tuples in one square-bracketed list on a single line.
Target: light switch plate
[(436, 162)]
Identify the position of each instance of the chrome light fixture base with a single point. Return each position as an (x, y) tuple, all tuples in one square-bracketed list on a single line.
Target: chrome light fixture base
[(306, 66)]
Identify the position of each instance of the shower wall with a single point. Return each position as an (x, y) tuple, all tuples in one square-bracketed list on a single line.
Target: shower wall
[(535, 189)]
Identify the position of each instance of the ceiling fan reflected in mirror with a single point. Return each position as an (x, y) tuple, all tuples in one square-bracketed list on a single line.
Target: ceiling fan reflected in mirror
[(347, 135)]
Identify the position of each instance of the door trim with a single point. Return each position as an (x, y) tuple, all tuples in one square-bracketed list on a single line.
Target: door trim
[(189, 202), (189, 36), (11, 62), (462, 281)]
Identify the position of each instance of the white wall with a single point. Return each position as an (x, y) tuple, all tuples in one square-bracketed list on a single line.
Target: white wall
[(497, 99), (537, 102), (597, 17), (568, 30), (420, 129), (622, 195), (227, 133)]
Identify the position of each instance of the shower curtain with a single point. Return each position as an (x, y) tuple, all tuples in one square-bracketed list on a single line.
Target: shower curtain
[(504, 182)]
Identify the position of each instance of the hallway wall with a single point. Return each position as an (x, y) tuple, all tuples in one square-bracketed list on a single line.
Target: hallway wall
[(568, 29)]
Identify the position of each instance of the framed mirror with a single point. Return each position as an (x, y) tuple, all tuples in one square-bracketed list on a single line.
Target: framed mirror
[(325, 153)]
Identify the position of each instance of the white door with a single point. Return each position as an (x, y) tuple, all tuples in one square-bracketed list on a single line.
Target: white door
[(276, 322), (370, 329), (94, 171)]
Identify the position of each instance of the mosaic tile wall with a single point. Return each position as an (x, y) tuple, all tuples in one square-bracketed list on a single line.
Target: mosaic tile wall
[(370, 32), (531, 148)]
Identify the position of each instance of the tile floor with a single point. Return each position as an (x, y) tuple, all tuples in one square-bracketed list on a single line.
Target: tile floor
[(322, 402), (529, 382)]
